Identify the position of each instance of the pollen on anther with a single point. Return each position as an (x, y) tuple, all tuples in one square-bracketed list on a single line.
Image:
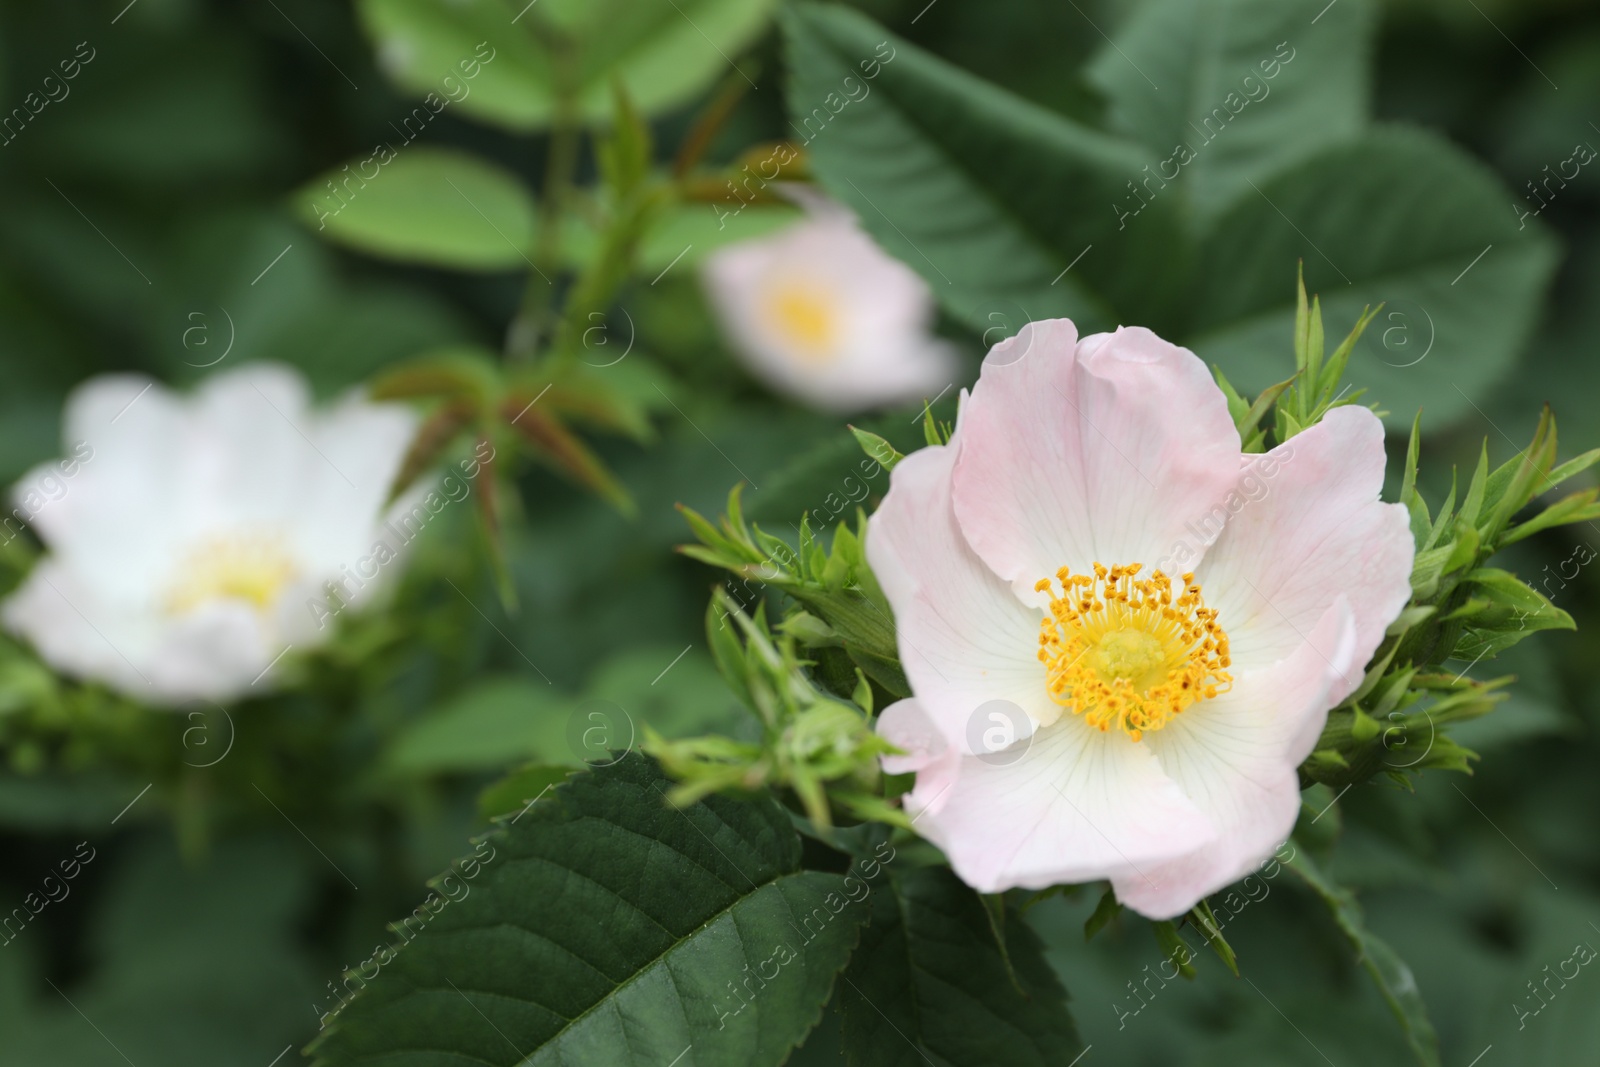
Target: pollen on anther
[(1128, 651)]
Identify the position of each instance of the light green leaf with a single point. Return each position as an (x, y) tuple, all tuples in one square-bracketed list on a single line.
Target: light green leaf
[(1243, 85), (1401, 218), (424, 205), (498, 721), (664, 54), (605, 927), (877, 448), (683, 234), (1512, 610), (930, 980), (521, 787), (421, 43)]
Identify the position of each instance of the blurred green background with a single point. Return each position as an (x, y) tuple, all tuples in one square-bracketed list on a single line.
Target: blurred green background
[(143, 215)]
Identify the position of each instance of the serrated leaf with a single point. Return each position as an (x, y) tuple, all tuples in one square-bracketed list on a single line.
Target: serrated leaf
[(1513, 610), (607, 927), (1241, 83), (990, 197), (929, 980), (521, 787), (1438, 210)]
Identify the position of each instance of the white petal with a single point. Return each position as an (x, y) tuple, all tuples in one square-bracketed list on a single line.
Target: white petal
[(882, 351), (1103, 450), (1235, 756), (1314, 530), (79, 633), (217, 652)]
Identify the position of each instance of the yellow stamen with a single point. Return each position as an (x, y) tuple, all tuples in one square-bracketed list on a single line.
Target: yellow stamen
[(806, 316), (1124, 651), (250, 567)]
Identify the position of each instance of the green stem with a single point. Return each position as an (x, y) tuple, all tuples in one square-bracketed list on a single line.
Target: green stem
[(537, 312)]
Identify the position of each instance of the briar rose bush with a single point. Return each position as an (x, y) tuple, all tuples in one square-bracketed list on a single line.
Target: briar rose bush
[(1109, 691)]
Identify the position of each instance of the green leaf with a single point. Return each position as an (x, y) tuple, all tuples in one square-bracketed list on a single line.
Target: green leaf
[(521, 787), (877, 448), (929, 980), (497, 721), (1512, 610), (1389, 972), (1454, 323), (1107, 909), (1241, 83), (424, 205), (663, 54), (605, 927), (1201, 917), (1174, 948), (990, 197), (420, 43)]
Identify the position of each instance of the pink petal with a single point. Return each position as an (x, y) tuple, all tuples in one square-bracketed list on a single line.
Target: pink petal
[(1100, 450), (965, 640), (1315, 529), (1235, 756), (1075, 805), (936, 762)]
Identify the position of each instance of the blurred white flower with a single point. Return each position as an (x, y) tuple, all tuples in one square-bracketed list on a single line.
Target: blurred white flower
[(819, 312), (185, 549)]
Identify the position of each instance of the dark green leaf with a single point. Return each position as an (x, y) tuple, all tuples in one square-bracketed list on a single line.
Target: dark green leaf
[(1242, 84), (991, 198), (1393, 978), (605, 927), (1107, 909), (929, 981), (1398, 217)]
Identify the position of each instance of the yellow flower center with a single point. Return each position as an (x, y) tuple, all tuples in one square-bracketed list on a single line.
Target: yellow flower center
[(806, 316), (1124, 651), (249, 567)]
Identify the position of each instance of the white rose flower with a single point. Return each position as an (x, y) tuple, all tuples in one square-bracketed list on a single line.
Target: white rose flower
[(820, 313), (190, 537)]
